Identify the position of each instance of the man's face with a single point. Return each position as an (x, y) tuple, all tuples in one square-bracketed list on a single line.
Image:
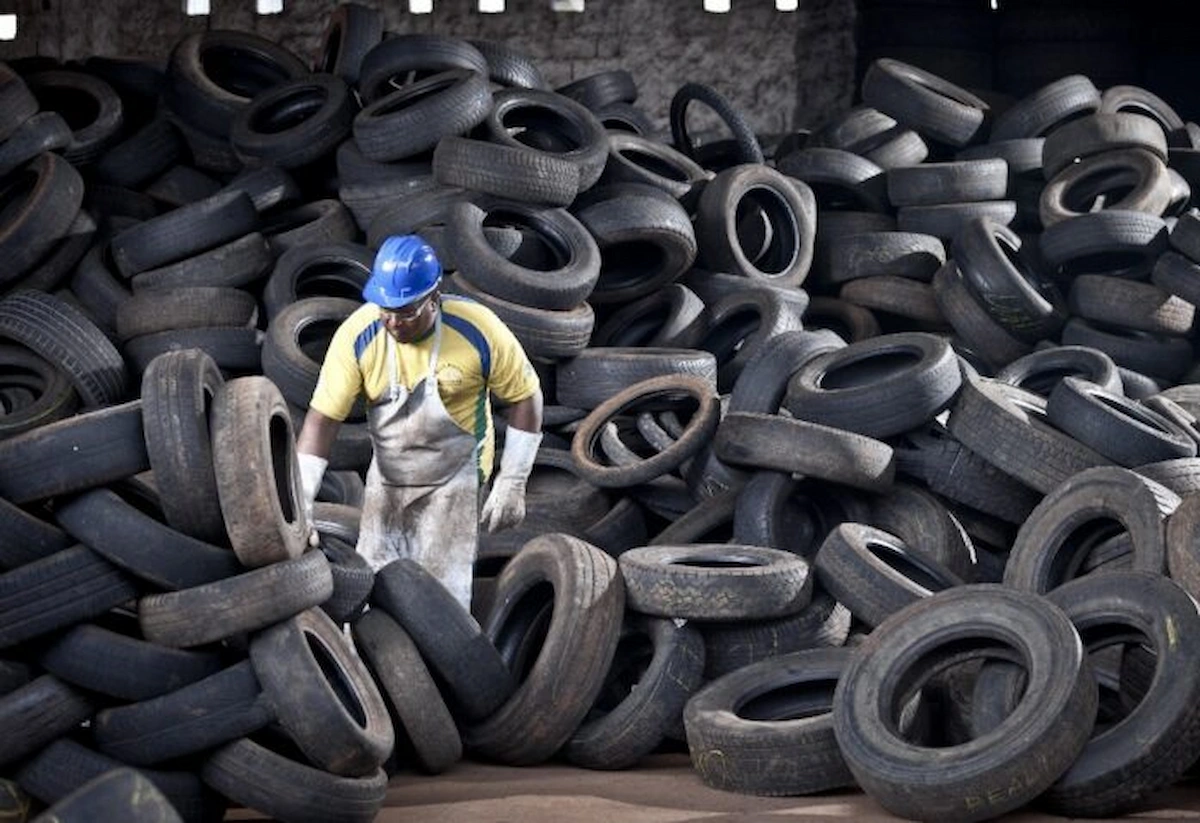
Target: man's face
[(413, 321)]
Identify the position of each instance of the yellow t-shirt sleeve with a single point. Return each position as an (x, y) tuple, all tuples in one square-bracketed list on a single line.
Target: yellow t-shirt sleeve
[(340, 380), (512, 378)]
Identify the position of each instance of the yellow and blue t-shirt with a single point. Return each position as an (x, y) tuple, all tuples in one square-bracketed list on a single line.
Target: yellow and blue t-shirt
[(479, 356)]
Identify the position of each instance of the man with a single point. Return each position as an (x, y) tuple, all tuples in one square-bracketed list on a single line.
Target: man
[(427, 364)]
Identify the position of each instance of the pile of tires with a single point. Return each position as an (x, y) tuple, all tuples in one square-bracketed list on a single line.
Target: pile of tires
[(867, 449)]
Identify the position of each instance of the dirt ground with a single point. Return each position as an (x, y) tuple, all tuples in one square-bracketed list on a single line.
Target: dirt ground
[(663, 789)]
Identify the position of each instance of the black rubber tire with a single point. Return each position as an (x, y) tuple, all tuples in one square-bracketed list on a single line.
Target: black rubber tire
[(88, 449), (933, 106), (475, 677), (235, 349), (322, 694), (17, 103), (715, 581), (180, 185), (543, 333), (332, 270), (657, 666), (388, 65), (351, 30), (840, 180), (1003, 276), (211, 75), (184, 232), (516, 172), (294, 348), (258, 482), (89, 105), (1049, 547), (739, 726), (1160, 356), (954, 181), (876, 574), (1118, 301), (413, 118), (420, 712), (50, 394), (177, 391), (1116, 242), (1050, 726), (698, 432), (1036, 114), (947, 220), (40, 200), (318, 221), (769, 441), (68, 587), (195, 717), (124, 792), (576, 257), (124, 667), (1040, 371), (295, 122), (1005, 426), (243, 603), (1100, 132), (1123, 430), (1138, 178), (268, 187), (578, 619), (668, 318), (237, 263), (898, 297), (165, 309), (254, 776), (896, 253), (116, 529), (1111, 776), (637, 159), (739, 326), (601, 89), (745, 146), (37, 713), (65, 765), (646, 241), (25, 537), (42, 133), (142, 156), (790, 208), (883, 401), (596, 374), (762, 383), (508, 66)]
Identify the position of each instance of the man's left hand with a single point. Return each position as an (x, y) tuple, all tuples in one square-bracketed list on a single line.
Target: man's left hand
[(505, 504)]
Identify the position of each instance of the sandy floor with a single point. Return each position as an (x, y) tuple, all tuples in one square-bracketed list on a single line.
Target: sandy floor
[(664, 789)]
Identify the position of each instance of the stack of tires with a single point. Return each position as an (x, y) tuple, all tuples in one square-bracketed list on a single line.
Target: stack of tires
[(840, 433)]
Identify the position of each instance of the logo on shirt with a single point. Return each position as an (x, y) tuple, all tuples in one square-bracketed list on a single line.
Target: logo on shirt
[(450, 377)]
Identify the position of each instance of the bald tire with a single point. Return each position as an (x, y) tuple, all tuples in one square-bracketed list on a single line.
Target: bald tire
[(37, 713), (791, 752), (423, 721), (574, 591), (256, 777), (65, 765), (768, 441), (123, 792), (715, 581), (643, 693), (221, 707), (518, 173), (476, 679)]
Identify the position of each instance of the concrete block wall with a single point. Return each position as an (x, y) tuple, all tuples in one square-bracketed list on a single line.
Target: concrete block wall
[(783, 70)]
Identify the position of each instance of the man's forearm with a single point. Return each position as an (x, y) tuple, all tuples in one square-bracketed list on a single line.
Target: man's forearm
[(317, 434)]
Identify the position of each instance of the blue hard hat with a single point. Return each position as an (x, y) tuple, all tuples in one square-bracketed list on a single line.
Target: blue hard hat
[(405, 270)]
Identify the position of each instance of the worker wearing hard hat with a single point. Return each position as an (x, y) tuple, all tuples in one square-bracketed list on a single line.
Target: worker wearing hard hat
[(427, 364)]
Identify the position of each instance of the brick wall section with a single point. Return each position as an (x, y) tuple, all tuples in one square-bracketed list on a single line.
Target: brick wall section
[(783, 70)]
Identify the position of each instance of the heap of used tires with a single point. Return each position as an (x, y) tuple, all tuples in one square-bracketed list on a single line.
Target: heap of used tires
[(870, 457)]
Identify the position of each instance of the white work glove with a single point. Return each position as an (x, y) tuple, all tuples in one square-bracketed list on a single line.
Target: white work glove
[(312, 469), (505, 505)]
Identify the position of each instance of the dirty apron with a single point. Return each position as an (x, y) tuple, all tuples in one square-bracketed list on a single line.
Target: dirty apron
[(422, 490)]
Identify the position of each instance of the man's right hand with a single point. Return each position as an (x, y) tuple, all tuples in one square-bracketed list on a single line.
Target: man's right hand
[(312, 469)]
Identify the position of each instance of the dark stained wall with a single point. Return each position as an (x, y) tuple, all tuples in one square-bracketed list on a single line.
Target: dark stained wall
[(784, 70)]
